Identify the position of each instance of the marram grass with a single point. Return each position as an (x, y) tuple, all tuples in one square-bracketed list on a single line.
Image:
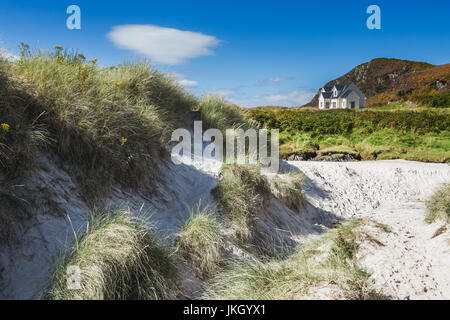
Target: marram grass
[(289, 189), (325, 261), (237, 193), (119, 259), (111, 124), (438, 206), (218, 114), (200, 242)]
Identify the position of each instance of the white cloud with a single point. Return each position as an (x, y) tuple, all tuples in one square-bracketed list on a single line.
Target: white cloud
[(273, 81), (8, 56), (287, 99), (163, 45), (183, 81), (188, 83), (270, 81), (223, 92)]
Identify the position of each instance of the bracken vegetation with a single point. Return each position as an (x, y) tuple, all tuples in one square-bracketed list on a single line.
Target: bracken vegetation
[(327, 261), (119, 259), (439, 100), (438, 206), (200, 242), (407, 118), (367, 134)]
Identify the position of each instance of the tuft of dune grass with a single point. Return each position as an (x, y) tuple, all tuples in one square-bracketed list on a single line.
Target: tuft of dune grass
[(239, 193), (111, 124), (200, 242), (326, 261), (22, 130), (119, 259), (218, 114), (289, 189), (438, 206)]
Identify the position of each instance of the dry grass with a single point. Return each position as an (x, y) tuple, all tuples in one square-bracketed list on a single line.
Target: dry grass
[(111, 124), (119, 259), (438, 206), (218, 114), (239, 192), (22, 129), (200, 242), (289, 189), (327, 261)]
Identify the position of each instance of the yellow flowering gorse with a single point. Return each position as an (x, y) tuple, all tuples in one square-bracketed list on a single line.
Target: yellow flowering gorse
[(5, 127)]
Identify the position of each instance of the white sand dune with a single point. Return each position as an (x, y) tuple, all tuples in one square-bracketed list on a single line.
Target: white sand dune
[(409, 265)]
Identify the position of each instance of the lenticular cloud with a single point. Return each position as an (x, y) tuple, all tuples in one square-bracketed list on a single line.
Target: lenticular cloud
[(162, 45)]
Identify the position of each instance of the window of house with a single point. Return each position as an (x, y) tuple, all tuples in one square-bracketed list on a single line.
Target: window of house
[(327, 105), (334, 104), (321, 104), (352, 104)]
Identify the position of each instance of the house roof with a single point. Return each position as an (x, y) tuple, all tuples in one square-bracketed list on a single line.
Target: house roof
[(327, 95), (342, 88), (346, 93)]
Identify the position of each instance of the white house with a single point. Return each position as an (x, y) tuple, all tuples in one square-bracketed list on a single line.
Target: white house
[(342, 96)]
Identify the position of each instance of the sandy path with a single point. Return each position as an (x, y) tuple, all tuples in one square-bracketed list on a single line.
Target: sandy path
[(411, 264)]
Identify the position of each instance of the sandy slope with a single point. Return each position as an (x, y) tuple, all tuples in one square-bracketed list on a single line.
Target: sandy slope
[(410, 265), (26, 263)]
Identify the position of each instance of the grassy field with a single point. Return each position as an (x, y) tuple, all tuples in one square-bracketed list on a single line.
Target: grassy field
[(397, 131)]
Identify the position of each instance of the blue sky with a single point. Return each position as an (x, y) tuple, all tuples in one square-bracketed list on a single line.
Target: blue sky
[(251, 52)]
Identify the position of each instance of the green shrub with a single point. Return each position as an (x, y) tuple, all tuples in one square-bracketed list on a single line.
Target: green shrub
[(200, 242), (344, 122), (440, 100), (366, 134), (119, 259)]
